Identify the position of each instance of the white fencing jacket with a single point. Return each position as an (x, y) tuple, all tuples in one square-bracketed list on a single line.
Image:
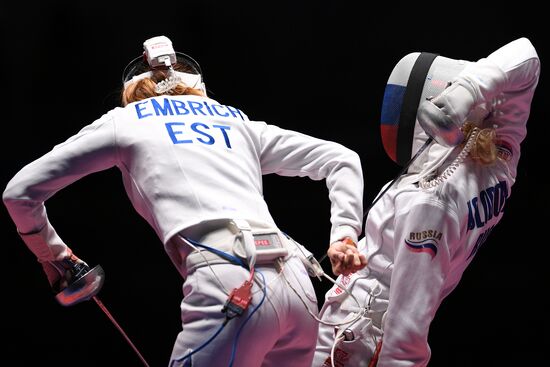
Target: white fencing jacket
[(184, 160), (419, 242)]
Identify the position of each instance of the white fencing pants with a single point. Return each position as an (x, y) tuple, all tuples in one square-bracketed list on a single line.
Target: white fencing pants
[(365, 333), (280, 333)]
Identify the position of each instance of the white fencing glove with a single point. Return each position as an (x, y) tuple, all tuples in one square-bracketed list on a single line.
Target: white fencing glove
[(442, 117), (73, 280), (61, 273)]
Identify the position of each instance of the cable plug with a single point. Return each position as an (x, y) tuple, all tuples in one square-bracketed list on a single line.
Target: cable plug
[(347, 334), (314, 269), (238, 300)]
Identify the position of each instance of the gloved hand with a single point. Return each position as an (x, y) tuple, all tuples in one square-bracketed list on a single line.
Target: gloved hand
[(61, 273), (442, 116), (73, 280), (345, 258)]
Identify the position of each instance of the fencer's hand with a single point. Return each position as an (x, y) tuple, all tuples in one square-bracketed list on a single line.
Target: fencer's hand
[(60, 273), (345, 258), (443, 116)]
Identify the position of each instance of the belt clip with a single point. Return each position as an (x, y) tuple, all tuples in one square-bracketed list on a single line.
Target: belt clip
[(247, 239), (241, 224)]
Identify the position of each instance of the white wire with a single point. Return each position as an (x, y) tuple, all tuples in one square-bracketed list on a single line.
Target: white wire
[(265, 285), (340, 336), (261, 286), (359, 314), (298, 246), (207, 263), (336, 341), (425, 184), (281, 273), (361, 310), (345, 289)]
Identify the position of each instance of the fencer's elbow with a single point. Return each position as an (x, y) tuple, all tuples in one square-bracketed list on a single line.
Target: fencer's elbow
[(532, 58), (12, 194), (347, 153), (8, 194), (526, 47), (353, 158), (16, 202), (8, 199), (9, 202), (530, 65)]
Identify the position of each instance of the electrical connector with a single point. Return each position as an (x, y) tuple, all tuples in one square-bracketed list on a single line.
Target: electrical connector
[(314, 269), (238, 300), (347, 334)]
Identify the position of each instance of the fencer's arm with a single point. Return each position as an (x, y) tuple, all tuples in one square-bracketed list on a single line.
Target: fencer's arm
[(513, 67), (90, 150), (503, 84), (418, 280), (511, 72), (289, 153)]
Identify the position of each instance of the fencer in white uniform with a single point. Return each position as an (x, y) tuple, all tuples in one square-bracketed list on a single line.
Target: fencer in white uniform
[(192, 168), (422, 233)]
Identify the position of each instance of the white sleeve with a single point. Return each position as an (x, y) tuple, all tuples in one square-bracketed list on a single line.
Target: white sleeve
[(90, 150), (289, 153), (505, 81), (422, 245), (513, 67)]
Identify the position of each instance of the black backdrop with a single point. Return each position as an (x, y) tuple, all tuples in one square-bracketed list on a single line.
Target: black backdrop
[(315, 66)]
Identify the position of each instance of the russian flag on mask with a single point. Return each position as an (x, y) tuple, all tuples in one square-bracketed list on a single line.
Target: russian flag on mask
[(389, 120)]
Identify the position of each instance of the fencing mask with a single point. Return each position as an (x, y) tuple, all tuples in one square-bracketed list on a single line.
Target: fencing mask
[(416, 77)]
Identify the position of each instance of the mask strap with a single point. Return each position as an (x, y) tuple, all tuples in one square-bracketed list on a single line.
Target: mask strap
[(411, 100)]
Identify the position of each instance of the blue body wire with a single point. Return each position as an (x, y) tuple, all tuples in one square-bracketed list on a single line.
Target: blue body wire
[(237, 261)]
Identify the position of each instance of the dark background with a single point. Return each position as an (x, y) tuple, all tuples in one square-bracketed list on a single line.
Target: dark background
[(318, 67)]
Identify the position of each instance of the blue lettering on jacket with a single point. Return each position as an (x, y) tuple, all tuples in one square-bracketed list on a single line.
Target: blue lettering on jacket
[(139, 110), (223, 129), (171, 107), (195, 127), (164, 109), (199, 131), (217, 112), (196, 108), (480, 240), (489, 204), (179, 107)]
